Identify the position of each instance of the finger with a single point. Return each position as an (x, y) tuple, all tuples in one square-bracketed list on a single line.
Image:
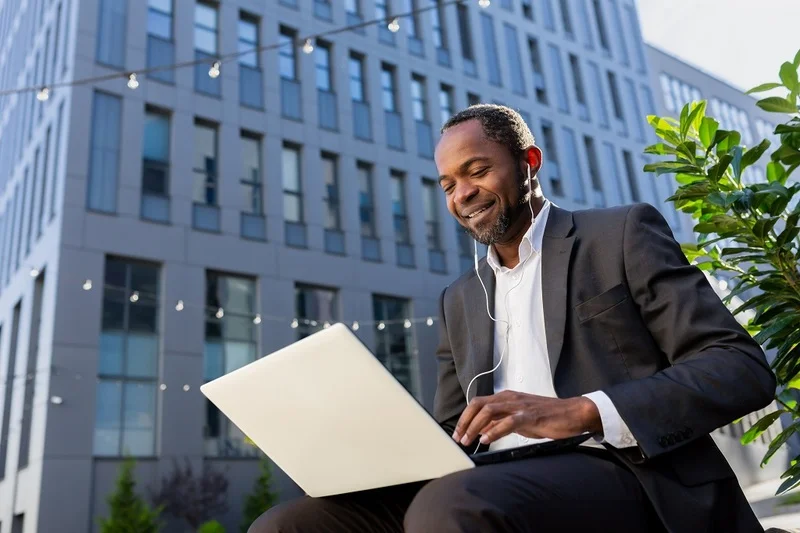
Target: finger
[(499, 430), (491, 411), (466, 417)]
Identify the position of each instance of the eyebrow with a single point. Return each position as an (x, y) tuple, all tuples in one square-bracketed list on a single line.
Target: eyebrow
[(465, 165)]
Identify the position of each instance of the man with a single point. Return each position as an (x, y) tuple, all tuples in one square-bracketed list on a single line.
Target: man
[(586, 321)]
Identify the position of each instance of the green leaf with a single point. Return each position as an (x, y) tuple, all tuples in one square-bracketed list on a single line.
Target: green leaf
[(688, 179), (777, 326), (708, 129), (779, 441), (698, 114), (669, 167), (761, 426), (787, 398), (796, 61), (794, 383), (660, 149), (763, 87), (787, 128), (726, 145), (688, 149), (692, 118), (789, 484), (736, 164), (764, 226), (790, 231), (684, 121), (776, 104), (788, 75), (716, 172), (753, 154), (776, 172)]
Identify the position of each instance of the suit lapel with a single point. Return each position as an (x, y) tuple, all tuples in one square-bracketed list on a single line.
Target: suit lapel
[(556, 254), (481, 330)]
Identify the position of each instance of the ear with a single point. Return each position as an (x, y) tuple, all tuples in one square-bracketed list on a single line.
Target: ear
[(531, 156)]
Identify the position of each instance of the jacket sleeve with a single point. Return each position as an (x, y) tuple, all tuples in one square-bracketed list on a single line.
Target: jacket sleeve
[(449, 401), (717, 372)]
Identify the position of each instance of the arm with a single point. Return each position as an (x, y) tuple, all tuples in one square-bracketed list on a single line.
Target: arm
[(718, 373), (449, 401)]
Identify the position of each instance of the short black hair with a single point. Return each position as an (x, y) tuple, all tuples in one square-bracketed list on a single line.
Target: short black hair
[(500, 124)]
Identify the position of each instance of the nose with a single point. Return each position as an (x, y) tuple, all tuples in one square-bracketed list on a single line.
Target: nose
[(465, 191)]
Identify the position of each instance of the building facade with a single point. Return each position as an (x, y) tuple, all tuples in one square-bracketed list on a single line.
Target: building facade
[(161, 228)]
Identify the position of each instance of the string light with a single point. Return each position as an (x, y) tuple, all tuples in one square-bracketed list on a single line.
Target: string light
[(326, 325), (87, 285), (163, 386), (34, 272), (56, 400), (355, 326), (294, 324), (381, 326), (484, 3), (186, 388), (257, 319), (179, 305), (394, 25), (220, 313), (407, 324), (133, 83), (43, 94), (308, 46), (213, 72), (429, 321), (135, 297)]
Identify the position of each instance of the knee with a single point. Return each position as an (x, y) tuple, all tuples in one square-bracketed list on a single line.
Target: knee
[(278, 519), (446, 504)]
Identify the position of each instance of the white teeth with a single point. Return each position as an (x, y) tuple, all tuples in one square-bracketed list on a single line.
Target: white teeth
[(478, 212)]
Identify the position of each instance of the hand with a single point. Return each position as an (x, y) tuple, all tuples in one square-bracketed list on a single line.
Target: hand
[(529, 415)]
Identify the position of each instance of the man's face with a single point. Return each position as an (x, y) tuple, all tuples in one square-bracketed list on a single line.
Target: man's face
[(482, 182)]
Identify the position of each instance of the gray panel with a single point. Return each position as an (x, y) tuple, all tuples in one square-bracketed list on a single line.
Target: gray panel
[(394, 130), (328, 110), (362, 121), (251, 87), (370, 249), (254, 227), (160, 53), (334, 242), (416, 47), (470, 68), (405, 255), (424, 139), (290, 99), (436, 259), (205, 217), (155, 207), (385, 36), (323, 10), (443, 57), (354, 19), (295, 235)]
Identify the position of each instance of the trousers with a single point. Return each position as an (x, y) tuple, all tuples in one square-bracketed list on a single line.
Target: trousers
[(578, 491)]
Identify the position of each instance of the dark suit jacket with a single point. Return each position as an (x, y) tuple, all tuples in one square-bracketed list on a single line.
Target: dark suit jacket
[(627, 314)]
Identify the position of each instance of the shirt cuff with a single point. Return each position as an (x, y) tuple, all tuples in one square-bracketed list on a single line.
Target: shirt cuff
[(615, 430)]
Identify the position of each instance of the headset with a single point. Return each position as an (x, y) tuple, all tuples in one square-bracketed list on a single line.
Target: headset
[(533, 161)]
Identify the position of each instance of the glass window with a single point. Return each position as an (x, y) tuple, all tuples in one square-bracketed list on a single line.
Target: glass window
[(527, 9), (601, 26), (287, 57), (205, 163), (111, 30), (352, 6), (562, 100), (574, 166), (292, 187), (411, 22), (155, 153), (105, 147), (314, 306), (465, 32), (616, 101), (393, 343), (205, 28), (366, 205), (619, 31), (633, 182), (549, 17), (357, 90), (586, 26), (566, 18), (322, 60), (418, 101), (231, 341), (514, 60), (610, 160), (251, 182), (381, 9), (128, 363), (331, 181), (577, 79), (633, 98), (487, 24), (429, 200), (248, 40), (594, 171), (398, 191), (445, 103), (636, 33), (599, 95), (438, 18), (388, 88), (159, 18)]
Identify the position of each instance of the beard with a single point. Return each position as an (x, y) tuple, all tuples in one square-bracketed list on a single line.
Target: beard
[(491, 231)]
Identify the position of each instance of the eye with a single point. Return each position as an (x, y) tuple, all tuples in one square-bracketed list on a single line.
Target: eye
[(449, 188), (480, 172)]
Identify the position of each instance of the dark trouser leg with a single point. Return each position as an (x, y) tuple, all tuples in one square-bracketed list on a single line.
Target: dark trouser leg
[(580, 491), (379, 511)]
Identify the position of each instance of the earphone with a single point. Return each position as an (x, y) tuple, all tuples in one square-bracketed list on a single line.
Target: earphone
[(532, 162)]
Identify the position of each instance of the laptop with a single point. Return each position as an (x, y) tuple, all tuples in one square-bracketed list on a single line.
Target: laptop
[(328, 413)]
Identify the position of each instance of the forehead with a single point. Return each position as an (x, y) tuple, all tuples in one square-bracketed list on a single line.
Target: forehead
[(462, 142)]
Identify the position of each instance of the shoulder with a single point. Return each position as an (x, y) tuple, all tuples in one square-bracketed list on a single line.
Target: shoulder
[(603, 220)]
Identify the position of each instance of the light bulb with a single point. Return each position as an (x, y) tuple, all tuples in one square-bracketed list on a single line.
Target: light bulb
[(133, 83), (484, 3), (381, 326), (43, 94), (308, 46), (34, 272), (257, 319), (220, 313), (179, 305), (163, 386), (429, 321), (135, 297), (186, 388), (56, 400), (394, 25), (723, 285), (355, 326), (213, 72), (407, 324), (87, 285), (295, 323)]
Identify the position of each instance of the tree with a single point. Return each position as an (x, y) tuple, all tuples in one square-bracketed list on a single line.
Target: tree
[(190, 498), (262, 497), (128, 512), (748, 230)]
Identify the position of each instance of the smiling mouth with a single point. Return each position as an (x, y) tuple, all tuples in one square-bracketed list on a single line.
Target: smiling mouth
[(479, 212)]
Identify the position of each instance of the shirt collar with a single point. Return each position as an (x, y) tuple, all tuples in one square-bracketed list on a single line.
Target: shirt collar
[(531, 241)]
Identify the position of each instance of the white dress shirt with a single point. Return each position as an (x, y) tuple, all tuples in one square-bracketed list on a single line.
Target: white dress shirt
[(525, 365)]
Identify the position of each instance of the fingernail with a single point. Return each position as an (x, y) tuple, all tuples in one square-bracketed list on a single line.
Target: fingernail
[(484, 439), (456, 436), (464, 440)]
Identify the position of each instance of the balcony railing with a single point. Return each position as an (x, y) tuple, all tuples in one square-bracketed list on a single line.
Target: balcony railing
[(362, 122), (291, 101), (160, 53), (250, 87), (394, 130), (328, 110)]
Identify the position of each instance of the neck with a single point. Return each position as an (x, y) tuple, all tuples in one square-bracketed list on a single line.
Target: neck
[(507, 250)]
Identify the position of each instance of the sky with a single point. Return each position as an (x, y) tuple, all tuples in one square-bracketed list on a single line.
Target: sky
[(742, 42)]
